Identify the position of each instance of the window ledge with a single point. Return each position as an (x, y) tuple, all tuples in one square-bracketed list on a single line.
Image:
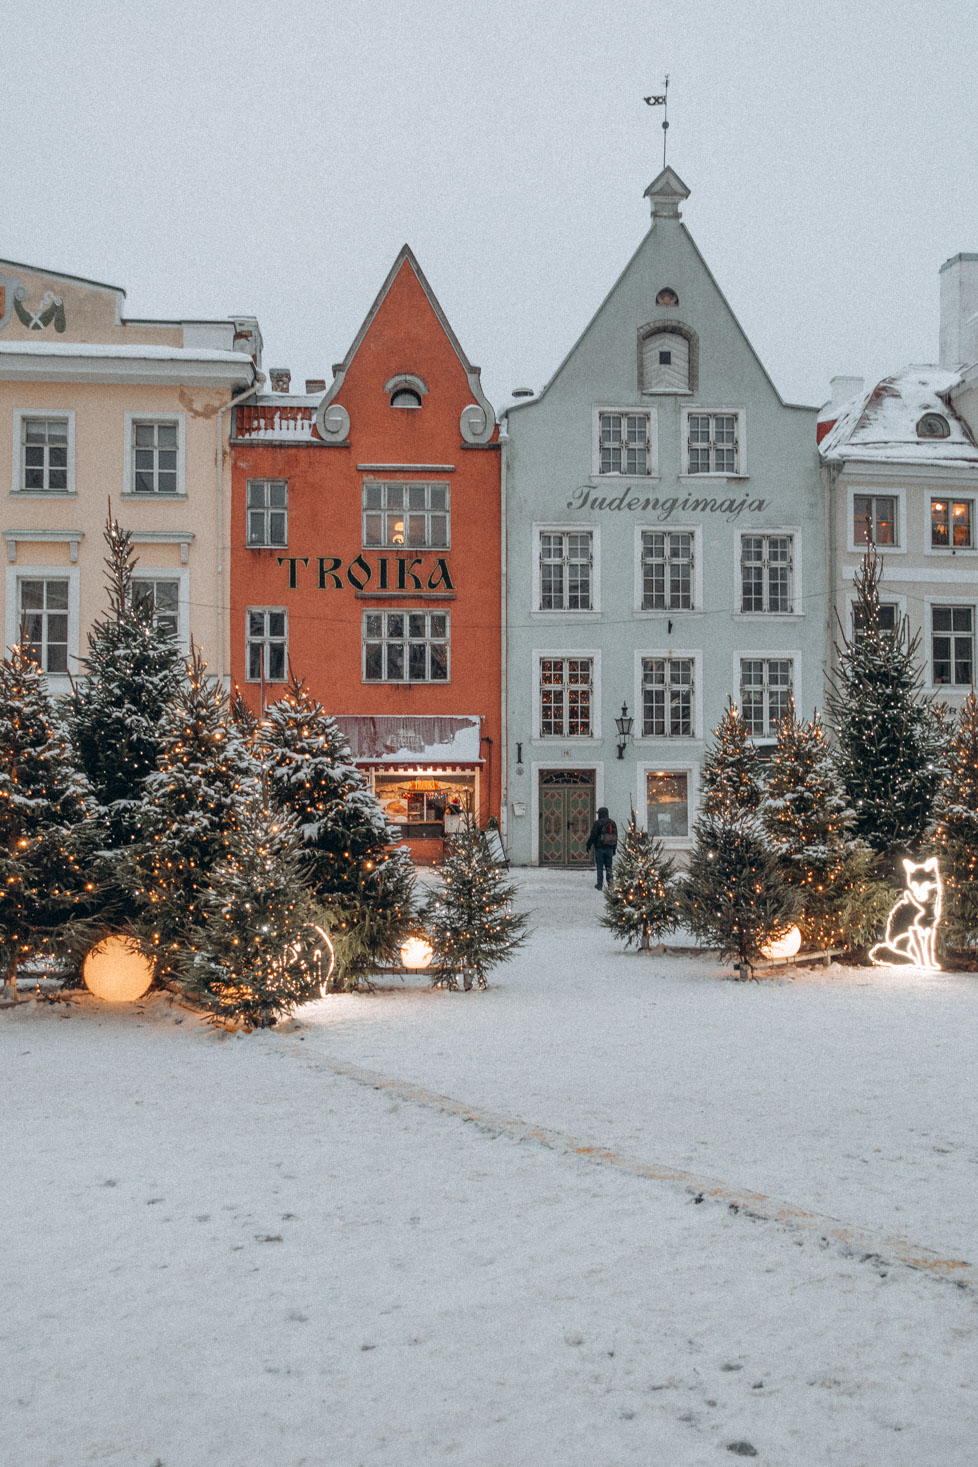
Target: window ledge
[(655, 613), (625, 478), (768, 615), (578, 741), (593, 615), (708, 478), (44, 493), (131, 494)]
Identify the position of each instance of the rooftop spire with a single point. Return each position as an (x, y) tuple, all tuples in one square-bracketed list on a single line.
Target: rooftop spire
[(667, 192)]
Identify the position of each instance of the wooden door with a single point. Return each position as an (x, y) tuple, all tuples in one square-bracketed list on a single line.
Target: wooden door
[(566, 816)]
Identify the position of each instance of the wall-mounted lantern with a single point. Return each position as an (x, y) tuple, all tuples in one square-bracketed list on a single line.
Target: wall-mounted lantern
[(624, 726)]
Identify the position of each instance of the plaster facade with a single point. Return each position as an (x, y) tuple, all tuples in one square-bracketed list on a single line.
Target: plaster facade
[(93, 408), (665, 549)]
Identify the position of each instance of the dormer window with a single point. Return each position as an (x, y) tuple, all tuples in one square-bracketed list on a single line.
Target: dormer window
[(932, 425), (405, 390)]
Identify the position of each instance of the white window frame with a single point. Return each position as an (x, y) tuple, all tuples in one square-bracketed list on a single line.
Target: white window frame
[(691, 769), (767, 654), (565, 528), (22, 415), (152, 416), (406, 640), (643, 410), (953, 497), (266, 510), (794, 534), (655, 528), (878, 491), (182, 577), (694, 655), (704, 410), (58, 683), (390, 543), (900, 602), (574, 741), (266, 639), (951, 600)]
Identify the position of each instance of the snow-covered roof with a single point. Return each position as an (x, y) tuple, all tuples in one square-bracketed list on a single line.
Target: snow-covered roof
[(880, 424), (418, 739), (277, 417), (124, 353)]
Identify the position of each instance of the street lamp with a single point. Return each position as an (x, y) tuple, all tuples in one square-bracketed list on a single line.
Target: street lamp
[(624, 726)]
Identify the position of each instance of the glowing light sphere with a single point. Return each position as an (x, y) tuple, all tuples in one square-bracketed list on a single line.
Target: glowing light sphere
[(783, 947), (416, 953), (117, 970)]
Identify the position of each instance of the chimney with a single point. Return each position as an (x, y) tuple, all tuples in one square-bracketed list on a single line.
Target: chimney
[(959, 311), (843, 388), (279, 377), (315, 384)]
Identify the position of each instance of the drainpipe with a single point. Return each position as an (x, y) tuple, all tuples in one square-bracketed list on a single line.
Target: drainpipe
[(233, 402), (504, 670)]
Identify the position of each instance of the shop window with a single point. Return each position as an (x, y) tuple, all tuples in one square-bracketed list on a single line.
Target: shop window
[(667, 804)]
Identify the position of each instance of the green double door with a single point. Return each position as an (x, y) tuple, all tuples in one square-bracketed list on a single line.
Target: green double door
[(566, 816)]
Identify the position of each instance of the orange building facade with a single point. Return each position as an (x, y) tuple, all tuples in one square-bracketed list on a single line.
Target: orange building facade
[(366, 559)]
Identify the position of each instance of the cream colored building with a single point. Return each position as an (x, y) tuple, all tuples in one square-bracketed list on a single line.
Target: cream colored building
[(95, 406)]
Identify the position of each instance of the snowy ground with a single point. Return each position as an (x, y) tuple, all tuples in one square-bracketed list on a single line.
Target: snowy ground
[(254, 1252)]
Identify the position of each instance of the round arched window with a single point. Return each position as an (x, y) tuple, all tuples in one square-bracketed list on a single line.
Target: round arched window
[(406, 397), (932, 425)]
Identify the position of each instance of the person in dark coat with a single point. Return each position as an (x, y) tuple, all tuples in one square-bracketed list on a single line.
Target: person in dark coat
[(603, 840)]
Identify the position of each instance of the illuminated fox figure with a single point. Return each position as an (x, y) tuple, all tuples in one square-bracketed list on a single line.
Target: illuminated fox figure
[(911, 927)]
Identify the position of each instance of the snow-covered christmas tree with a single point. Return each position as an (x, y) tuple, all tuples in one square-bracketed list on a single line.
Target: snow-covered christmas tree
[(359, 874), (731, 778), (114, 714), (890, 738), (470, 919), (257, 953), (641, 905), (955, 836), (46, 840), (189, 809)]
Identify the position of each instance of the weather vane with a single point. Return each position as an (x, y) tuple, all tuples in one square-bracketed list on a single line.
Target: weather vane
[(663, 102)]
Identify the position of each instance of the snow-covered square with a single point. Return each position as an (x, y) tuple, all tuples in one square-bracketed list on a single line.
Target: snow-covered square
[(615, 1209)]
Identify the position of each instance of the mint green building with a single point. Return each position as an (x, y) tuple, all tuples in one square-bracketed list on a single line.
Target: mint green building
[(664, 549)]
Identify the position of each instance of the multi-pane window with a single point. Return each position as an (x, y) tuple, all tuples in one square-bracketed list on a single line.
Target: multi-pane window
[(405, 646), (874, 519), (268, 512), (43, 607), (712, 447), (414, 515), (953, 645), (44, 455), (154, 458), (267, 644), (765, 693), (566, 687), (566, 559), (951, 523), (667, 804), (766, 573), (667, 570), (162, 600), (667, 697), (887, 620), (624, 445)]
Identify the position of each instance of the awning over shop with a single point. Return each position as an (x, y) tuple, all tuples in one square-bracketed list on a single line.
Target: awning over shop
[(400, 739)]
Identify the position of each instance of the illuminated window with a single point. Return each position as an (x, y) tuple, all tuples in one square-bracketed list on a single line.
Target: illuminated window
[(566, 564), (953, 645), (267, 644), (566, 686), (667, 570), (951, 523), (766, 573), (712, 443), (667, 804), (405, 646), (624, 443), (268, 512), (765, 693), (667, 697), (874, 519), (43, 619), (413, 515)]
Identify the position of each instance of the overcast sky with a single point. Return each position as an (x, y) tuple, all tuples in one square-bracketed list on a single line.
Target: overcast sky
[(221, 156)]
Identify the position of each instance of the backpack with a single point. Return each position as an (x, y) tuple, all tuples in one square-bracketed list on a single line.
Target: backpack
[(608, 834)]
